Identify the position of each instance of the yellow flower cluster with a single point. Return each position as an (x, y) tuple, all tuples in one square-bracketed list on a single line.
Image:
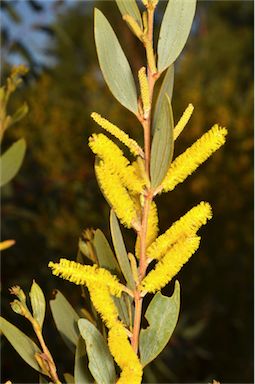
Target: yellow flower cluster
[(103, 303), (183, 121), (170, 264), (124, 356), (101, 285), (186, 226), (152, 228), (188, 162), (113, 156), (145, 93), (134, 148), (116, 194), (86, 275)]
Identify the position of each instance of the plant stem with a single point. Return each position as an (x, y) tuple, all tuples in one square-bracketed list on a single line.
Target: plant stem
[(146, 123), (52, 367)]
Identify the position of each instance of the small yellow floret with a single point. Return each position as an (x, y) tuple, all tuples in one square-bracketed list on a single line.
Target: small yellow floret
[(86, 275), (111, 154), (185, 164), (183, 121), (152, 228), (124, 356), (116, 194), (186, 226), (170, 264), (145, 93), (104, 304), (134, 148)]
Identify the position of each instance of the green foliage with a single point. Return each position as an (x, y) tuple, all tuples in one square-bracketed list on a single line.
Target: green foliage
[(162, 147), (65, 319), (81, 371), (105, 256), (130, 8), (114, 64), (166, 88), (38, 303), (162, 315), (11, 161), (101, 363), (174, 31), (194, 82), (120, 250), (24, 346)]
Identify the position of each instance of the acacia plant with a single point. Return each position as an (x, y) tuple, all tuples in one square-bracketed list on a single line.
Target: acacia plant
[(116, 283)]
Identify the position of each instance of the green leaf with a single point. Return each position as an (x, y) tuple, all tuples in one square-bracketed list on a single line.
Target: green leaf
[(38, 303), (65, 319), (81, 371), (113, 63), (174, 31), (69, 379), (20, 113), (162, 315), (122, 309), (162, 144), (11, 160), (101, 363), (120, 250), (105, 256), (25, 347), (129, 7), (166, 88)]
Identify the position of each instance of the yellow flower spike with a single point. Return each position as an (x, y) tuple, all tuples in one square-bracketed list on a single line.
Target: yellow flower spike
[(145, 93), (86, 275), (111, 154), (186, 226), (116, 194), (124, 356), (150, 55), (134, 148), (170, 264), (183, 121), (134, 26), (185, 164), (104, 304), (152, 228)]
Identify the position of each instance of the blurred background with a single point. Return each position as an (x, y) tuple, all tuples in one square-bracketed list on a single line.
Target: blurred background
[(55, 195)]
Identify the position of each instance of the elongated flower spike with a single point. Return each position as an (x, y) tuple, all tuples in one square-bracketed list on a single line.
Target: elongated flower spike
[(145, 93), (185, 164), (186, 226), (170, 264), (150, 55), (117, 195), (152, 228), (134, 26), (86, 275), (134, 148), (111, 154), (100, 283), (124, 356), (183, 121)]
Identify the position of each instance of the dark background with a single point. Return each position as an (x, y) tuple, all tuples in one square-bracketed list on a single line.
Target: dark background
[(55, 195)]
